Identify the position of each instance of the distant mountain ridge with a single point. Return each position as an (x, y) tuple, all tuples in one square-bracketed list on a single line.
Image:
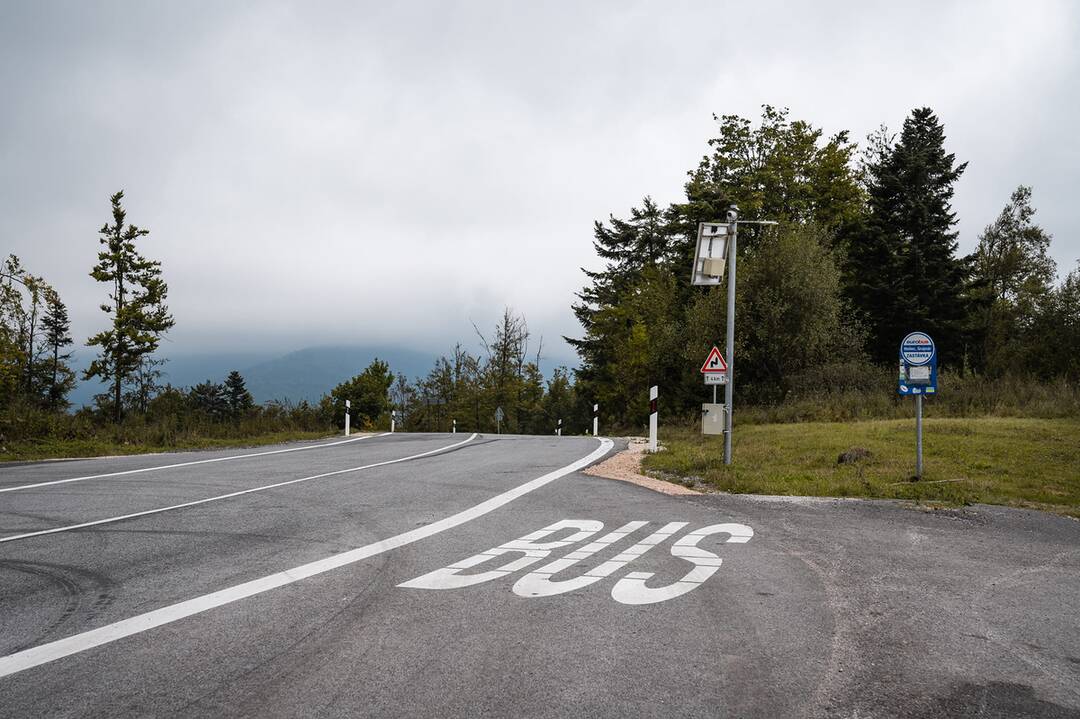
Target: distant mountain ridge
[(305, 374)]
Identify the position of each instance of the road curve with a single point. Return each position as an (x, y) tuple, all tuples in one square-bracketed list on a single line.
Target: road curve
[(442, 575)]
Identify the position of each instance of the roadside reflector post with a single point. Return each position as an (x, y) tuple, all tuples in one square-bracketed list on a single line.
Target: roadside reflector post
[(654, 393), (393, 417), (558, 429), (595, 419), (454, 427), (348, 405)]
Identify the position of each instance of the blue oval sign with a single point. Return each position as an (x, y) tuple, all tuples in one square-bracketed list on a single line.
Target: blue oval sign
[(917, 348)]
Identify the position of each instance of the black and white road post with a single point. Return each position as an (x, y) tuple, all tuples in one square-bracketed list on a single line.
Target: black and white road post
[(558, 428), (454, 427), (348, 405), (654, 394), (393, 418), (595, 419)]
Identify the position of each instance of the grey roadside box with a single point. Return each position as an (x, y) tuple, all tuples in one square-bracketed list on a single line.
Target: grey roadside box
[(713, 419)]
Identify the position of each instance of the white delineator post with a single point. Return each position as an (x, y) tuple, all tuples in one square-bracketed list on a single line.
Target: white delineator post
[(654, 393), (558, 430), (392, 419), (348, 404), (454, 430), (595, 420)]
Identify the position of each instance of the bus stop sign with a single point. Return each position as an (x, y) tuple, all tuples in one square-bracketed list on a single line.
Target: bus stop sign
[(918, 365)]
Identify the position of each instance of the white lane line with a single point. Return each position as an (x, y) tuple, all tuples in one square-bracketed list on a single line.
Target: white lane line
[(32, 657), (187, 464), (118, 518)]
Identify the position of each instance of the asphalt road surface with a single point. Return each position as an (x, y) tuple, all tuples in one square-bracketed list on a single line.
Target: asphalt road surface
[(458, 575)]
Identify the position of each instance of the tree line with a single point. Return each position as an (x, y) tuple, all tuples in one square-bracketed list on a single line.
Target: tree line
[(865, 251)]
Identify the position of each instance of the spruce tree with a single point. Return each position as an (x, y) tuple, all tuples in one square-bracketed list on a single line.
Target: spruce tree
[(56, 327), (903, 269), (236, 392), (138, 314)]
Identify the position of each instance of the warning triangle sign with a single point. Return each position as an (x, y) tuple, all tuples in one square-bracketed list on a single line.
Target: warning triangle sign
[(714, 363)]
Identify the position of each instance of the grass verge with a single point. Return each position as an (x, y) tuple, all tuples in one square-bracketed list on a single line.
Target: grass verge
[(1026, 462), (97, 447)]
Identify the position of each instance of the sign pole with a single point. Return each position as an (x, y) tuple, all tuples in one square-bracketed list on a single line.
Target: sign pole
[(654, 393), (918, 436), (729, 388)]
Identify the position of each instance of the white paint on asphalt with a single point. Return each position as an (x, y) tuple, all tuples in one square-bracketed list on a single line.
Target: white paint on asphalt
[(539, 584), (142, 513), (630, 590), (32, 657), (532, 552), (187, 464)]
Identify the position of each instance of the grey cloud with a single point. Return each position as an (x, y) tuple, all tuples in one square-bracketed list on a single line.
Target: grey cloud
[(387, 172)]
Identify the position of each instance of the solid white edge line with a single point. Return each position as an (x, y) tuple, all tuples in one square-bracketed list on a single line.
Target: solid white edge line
[(32, 657), (154, 511), (186, 464)]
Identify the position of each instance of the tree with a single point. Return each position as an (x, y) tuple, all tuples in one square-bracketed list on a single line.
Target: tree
[(1013, 276), (237, 396), (209, 398), (144, 385), (903, 269), (790, 313), (368, 393), (138, 314), (57, 328)]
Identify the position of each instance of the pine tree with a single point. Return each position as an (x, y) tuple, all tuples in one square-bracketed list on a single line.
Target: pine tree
[(139, 316), (903, 268), (236, 392), (56, 328), (209, 398)]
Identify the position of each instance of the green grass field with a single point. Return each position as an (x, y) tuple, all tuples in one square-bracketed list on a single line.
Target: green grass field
[(97, 447), (1024, 462)]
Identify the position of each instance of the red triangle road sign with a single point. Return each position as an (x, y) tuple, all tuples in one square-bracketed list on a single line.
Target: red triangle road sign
[(714, 363)]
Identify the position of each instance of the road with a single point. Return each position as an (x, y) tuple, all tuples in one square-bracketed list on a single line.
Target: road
[(458, 575)]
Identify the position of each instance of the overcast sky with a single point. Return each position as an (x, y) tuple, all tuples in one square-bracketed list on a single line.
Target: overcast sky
[(380, 172)]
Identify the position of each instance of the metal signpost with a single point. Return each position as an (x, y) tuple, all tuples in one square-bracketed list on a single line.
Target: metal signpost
[(499, 415), (717, 242), (918, 377)]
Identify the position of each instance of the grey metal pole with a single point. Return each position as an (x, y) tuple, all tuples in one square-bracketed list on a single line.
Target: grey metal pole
[(918, 436), (729, 389)]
